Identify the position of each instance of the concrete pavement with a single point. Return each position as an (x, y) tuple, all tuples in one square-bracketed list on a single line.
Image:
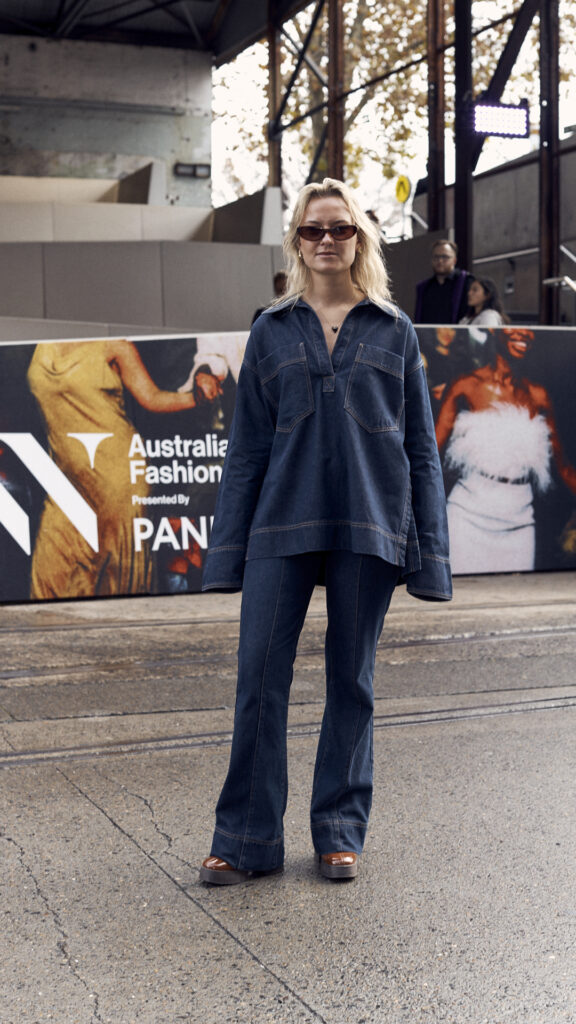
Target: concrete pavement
[(115, 721)]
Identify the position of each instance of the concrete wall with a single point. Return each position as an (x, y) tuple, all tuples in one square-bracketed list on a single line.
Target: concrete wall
[(253, 219), (18, 188), (77, 210), (102, 222), (124, 268), (21, 329), (98, 110), (506, 219), (187, 286)]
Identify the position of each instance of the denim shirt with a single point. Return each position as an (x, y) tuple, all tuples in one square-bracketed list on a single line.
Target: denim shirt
[(332, 451)]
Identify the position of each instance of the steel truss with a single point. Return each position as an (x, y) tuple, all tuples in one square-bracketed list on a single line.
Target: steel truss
[(468, 146)]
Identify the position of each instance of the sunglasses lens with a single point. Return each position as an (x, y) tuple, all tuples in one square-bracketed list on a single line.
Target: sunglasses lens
[(310, 234), (339, 233), (343, 231)]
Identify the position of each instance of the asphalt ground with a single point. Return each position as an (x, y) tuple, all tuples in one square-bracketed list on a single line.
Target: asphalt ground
[(115, 721)]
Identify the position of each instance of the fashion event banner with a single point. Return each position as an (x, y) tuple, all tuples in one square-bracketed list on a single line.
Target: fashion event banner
[(111, 453), (503, 403)]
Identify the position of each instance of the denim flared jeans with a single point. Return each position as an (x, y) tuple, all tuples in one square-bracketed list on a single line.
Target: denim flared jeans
[(276, 594)]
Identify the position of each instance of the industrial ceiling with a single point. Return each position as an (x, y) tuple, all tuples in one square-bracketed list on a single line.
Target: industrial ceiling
[(221, 27)]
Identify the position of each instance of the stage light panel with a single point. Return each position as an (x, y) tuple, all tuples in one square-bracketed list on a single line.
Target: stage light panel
[(501, 119)]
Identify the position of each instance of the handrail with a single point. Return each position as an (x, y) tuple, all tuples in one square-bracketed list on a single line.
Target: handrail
[(561, 282), (566, 252)]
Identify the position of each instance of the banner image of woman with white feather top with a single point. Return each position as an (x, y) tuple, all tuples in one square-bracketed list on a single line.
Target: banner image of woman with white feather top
[(508, 451)]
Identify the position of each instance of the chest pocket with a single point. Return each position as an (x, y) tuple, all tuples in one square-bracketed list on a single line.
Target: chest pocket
[(375, 392), (285, 380)]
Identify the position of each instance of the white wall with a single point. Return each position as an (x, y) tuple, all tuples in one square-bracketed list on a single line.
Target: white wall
[(102, 222), (187, 286), (79, 109)]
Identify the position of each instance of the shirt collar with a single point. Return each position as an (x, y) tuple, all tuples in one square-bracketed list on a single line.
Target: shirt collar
[(290, 303)]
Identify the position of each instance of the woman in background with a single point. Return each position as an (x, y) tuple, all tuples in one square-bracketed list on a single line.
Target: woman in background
[(484, 304)]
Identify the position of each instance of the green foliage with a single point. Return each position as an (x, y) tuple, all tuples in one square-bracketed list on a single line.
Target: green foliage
[(386, 83)]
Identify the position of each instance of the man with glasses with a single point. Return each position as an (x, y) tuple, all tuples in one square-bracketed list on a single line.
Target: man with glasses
[(442, 298)]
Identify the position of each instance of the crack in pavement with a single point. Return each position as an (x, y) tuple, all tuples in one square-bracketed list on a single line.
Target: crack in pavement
[(5, 737), (150, 808), (62, 943), (197, 903)]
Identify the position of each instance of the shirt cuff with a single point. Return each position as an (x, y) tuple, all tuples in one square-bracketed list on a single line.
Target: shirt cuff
[(433, 582), (224, 568)]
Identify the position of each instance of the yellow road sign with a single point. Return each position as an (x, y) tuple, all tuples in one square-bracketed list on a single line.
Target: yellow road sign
[(403, 189)]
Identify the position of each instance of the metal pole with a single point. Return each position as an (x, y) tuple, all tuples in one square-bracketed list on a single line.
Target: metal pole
[(335, 90), (299, 62), (274, 90), (463, 197), (436, 114), (549, 161)]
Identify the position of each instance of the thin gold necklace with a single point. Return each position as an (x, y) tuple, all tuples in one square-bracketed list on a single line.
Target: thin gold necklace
[(333, 327)]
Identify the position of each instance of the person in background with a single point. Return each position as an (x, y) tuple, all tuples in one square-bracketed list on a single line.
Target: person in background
[(280, 279), (442, 298), (332, 475), (484, 304)]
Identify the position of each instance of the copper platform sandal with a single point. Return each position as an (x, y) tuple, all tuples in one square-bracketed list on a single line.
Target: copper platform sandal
[(215, 871), (338, 865)]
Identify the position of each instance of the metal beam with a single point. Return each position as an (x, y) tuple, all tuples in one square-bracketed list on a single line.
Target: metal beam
[(317, 155), (436, 197), (71, 17), (274, 91), (186, 19), (149, 7), (8, 22), (307, 60), (549, 160), (217, 20), (463, 195), (335, 90), (277, 127)]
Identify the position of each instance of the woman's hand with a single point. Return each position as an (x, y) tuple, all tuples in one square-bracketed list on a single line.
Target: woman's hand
[(208, 386)]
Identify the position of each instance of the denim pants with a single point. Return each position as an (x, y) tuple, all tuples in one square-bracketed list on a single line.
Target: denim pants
[(275, 599)]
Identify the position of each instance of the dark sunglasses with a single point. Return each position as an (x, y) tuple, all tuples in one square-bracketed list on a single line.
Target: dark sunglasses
[(339, 233)]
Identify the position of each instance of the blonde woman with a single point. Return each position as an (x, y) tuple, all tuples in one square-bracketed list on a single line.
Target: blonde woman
[(332, 475)]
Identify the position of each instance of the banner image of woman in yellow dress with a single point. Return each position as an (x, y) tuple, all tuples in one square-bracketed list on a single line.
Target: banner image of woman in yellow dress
[(125, 438)]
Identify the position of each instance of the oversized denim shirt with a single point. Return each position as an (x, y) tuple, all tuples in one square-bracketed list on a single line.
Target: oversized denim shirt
[(332, 451)]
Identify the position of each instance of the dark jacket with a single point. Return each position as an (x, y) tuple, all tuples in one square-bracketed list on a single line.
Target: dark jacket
[(332, 452), (442, 303)]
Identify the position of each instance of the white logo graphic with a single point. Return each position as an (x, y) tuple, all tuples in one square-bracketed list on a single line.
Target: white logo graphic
[(90, 442), (57, 486)]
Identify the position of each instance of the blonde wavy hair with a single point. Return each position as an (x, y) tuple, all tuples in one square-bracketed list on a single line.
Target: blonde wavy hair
[(368, 270)]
